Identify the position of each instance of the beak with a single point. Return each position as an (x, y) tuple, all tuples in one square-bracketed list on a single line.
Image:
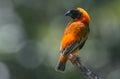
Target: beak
[(68, 13)]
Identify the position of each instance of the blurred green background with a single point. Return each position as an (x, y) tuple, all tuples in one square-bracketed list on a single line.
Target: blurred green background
[(31, 30)]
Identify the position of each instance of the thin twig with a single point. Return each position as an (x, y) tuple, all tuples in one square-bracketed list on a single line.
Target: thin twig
[(75, 60)]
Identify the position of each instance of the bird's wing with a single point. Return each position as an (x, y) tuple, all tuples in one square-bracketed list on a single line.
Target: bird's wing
[(73, 46), (78, 44)]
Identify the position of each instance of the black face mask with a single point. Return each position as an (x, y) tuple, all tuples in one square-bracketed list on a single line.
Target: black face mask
[(73, 14)]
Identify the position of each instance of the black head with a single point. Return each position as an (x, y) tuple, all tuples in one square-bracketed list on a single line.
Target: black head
[(74, 14)]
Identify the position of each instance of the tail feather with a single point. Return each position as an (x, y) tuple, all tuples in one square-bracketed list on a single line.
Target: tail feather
[(61, 66)]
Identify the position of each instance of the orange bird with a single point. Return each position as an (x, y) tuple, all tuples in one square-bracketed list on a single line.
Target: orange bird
[(75, 35)]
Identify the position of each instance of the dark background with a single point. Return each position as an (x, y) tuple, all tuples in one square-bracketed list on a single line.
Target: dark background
[(31, 30)]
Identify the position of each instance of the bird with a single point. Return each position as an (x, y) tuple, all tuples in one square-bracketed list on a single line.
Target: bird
[(75, 35)]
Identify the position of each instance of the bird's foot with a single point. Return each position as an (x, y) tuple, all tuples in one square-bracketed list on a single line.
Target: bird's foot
[(74, 59)]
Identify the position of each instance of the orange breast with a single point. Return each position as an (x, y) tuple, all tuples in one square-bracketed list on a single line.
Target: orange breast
[(74, 31)]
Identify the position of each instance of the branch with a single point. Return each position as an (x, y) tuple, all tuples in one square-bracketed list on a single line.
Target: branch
[(75, 60)]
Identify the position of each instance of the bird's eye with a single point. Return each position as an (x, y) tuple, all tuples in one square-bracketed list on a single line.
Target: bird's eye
[(75, 14)]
